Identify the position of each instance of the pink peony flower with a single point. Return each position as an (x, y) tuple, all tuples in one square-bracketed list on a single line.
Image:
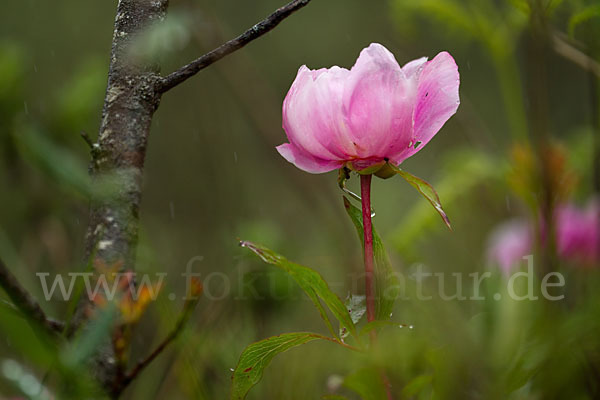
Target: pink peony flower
[(578, 232), (373, 113), (509, 243), (577, 237)]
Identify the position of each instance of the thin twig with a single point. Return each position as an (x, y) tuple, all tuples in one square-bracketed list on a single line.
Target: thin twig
[(572, 53), (266, 25), (141, 365), (25, 303), (86, 138)]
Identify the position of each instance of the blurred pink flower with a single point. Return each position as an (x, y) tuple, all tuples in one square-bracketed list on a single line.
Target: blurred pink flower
[(577, 237), (509, 243), (375, 112), (578, 232)]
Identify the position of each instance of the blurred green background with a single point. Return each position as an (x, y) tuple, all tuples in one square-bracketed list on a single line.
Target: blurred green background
[(213, 176)]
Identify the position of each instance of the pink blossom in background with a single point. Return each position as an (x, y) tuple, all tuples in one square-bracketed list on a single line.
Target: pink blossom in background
[(577, 237), (509, 243), (375, 112), (578, 233)]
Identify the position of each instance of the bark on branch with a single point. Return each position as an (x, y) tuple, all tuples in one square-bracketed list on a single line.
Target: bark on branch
[(129, 104), (132, 96), (264, 26)]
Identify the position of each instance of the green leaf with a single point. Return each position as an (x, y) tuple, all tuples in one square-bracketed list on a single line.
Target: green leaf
[(426, 190), (584, 15), (386, 282), (367, 383), (91, 337), (63, 167), (257, 356), (313, 285), (416, 385), (464, 170)]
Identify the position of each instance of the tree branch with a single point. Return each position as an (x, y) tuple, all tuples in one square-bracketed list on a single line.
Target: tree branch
[(572, 53), (266, 25), (119, 154), (25, 303)]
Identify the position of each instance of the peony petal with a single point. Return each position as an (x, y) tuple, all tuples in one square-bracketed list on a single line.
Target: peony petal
[(378, 104), (413, 68), (578, 232), (437, 100), (305, 161), (312, 113), (509, 243)]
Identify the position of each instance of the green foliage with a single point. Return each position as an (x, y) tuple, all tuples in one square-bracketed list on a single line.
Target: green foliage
[(55, 162), (386, 282), (94, 335), (81, 97), (163, 38), (368, 383), (416, 385), (589, 12), (463, 171), (426, 190), (257, 356), (61, 166), (312, 284), (12, 60), (495, 27)]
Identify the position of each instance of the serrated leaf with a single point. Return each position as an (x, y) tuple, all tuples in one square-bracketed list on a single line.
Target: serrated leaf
[(426, 190), (313, 285), (257, 356), (386, 282), (463, 171)]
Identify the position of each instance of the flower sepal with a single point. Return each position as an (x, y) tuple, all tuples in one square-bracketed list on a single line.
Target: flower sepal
[(386, 171), (365, 167)]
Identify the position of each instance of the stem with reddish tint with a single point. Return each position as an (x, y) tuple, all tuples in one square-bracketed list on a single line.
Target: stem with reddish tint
[(365, 193)]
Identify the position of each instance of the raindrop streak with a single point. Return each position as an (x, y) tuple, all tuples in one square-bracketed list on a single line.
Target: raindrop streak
[(172, 209), (235, 156), (26, 108)]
